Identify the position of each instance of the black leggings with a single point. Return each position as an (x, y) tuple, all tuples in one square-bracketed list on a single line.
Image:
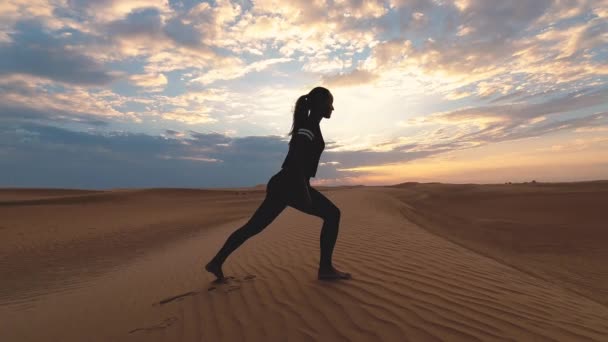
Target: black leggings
[(279, 195)]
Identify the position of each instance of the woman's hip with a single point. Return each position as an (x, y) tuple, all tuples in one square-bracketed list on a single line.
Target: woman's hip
[(284, 182)]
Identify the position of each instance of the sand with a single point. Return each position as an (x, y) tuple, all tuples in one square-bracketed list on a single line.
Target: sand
[(429, 262)]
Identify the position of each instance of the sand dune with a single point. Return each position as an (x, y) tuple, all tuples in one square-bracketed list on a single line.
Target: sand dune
[(429, 262), (556, 231)]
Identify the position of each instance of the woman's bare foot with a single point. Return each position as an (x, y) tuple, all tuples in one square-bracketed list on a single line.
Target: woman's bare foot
[(332, 274), (216, 269)]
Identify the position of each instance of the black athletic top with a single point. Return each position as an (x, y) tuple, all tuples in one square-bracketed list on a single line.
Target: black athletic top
[(305, 148)]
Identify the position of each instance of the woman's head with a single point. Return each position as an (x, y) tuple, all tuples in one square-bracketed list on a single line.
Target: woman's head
[(319, 102)]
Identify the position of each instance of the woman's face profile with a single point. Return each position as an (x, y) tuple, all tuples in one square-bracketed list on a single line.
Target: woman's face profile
[(328, 107)]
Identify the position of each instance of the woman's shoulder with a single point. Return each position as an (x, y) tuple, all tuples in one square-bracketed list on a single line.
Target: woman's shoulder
[(307, 131)]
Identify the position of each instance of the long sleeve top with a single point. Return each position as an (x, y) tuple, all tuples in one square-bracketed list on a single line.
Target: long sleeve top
[(305, 148)]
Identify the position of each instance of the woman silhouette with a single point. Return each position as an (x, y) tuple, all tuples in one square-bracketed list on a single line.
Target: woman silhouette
[(291, 186)]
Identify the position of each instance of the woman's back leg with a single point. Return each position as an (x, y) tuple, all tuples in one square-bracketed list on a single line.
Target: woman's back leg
[(263, 216)]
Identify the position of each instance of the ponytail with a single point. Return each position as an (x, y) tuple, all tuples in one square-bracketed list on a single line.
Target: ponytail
[(300, 113), (305, 103)]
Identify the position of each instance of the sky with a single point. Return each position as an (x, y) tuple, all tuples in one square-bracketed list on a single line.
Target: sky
[(103, 94)]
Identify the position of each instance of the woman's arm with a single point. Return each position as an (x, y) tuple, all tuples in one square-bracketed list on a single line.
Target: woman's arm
[(302, 145)]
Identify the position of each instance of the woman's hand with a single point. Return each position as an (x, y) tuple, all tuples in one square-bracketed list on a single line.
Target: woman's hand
[(307, 198), (301, 191)]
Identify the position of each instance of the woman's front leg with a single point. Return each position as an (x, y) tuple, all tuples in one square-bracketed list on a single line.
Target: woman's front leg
[(322, 207)]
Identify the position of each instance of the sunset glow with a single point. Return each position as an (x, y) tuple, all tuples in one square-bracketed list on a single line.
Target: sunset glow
[(133, 93)]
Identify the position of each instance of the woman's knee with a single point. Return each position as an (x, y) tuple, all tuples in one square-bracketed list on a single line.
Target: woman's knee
[(249, 230), (333, 213)]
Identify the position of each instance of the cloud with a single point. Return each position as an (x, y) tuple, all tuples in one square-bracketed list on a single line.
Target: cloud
[(180, 58), (575, 145), (236, 70), (183, 34), (483, 125), (305, 27), (457, 95), (492, 24), (479, 130), (174, 133), (156, 82), (497, 132), (33, 51), (25, 114), (190, 117), (109, 10), (168, 40), (99, 159), (324, 64), (577, 100), (33, 97), (140, 32), (352, 78), (514, 39), (569, 9), (78, 105)]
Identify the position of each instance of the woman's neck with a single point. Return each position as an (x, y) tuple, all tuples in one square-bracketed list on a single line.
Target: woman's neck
[(314, 119)]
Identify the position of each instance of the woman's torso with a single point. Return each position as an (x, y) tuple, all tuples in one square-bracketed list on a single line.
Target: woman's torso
[(310, 154)]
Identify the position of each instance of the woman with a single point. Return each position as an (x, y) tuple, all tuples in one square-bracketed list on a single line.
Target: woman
[(291, 186)]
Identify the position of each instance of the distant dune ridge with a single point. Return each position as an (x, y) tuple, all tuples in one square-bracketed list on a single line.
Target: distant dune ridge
[(458, 262), (556, 231)]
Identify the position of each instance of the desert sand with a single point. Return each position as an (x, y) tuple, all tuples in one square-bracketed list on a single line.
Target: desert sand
[(430, 262)]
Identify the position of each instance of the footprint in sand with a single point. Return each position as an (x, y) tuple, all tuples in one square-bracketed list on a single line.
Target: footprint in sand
[(177, 297), (229, 284), (167, 322)]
